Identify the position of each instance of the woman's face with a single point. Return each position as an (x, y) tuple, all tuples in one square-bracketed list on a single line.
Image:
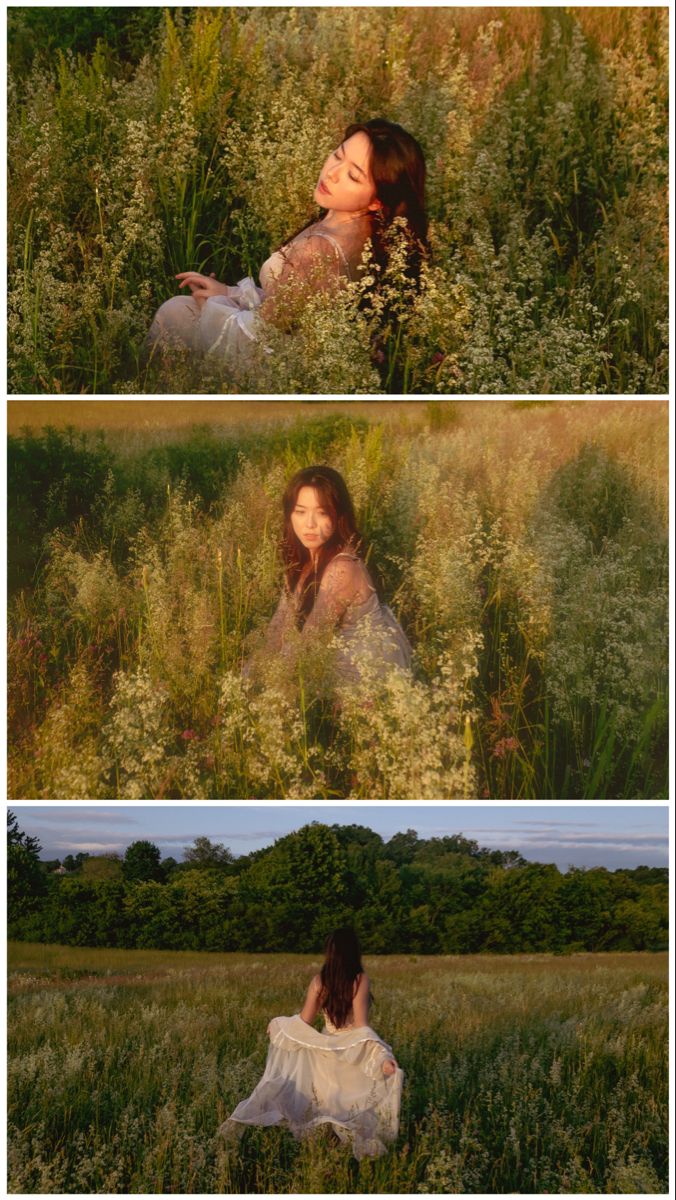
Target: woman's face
[(345, 183), (310, 521)]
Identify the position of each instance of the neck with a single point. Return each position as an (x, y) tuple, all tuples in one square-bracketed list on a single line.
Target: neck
[(335, 217)]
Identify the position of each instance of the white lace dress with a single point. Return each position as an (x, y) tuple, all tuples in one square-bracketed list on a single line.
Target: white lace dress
[(331, 1078), (370, 640), (226, 326)]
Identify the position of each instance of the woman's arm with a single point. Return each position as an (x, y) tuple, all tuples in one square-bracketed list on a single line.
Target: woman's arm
[(275, 632), (360, 1004), (280, 621), (202, 287), (360, 1009), (312, 1001), (343, 584)]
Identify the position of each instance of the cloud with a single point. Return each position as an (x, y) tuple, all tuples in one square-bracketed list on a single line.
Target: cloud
[(170, 841), (177, 838), (556, 824), (569, 833), (83, 817), (89, 847)]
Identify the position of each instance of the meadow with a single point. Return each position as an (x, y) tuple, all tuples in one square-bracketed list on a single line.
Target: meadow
[(148, 142), (523, 546), (523, 1074)]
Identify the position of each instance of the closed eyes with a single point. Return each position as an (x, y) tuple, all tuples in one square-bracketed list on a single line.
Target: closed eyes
[(340, 159)]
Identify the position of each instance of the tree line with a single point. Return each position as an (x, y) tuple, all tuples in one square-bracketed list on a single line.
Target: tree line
[(444, 895)]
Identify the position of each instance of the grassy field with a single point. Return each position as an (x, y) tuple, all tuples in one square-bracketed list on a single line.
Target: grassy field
[(523, 1074), (523, 548), (196, 141)]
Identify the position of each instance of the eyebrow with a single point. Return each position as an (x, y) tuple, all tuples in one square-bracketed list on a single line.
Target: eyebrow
[(353, 164)]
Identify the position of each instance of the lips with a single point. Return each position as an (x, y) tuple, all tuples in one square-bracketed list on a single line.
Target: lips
[(323, 188)]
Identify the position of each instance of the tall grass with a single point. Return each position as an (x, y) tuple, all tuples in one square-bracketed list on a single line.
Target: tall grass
[(545, 131), (523, 1074), (524, 550)]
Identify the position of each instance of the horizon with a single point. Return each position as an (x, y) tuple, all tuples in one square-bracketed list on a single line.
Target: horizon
[(588, 836)]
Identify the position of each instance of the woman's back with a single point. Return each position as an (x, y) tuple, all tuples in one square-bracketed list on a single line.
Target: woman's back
[(317, 1001)]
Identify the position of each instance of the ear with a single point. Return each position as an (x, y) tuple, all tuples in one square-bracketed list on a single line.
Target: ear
[(375, 205)]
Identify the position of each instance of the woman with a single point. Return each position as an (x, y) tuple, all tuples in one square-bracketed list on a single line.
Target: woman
[(327, 585), (346, 1077), (375, 175)]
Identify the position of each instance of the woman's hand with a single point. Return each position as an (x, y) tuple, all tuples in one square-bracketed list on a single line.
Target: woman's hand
[(202, 286)]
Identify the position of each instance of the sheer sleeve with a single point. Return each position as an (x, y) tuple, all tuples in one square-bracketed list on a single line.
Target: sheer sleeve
[(280, 622), (345, 582), (273, 638), (312, 257), (311, 264)]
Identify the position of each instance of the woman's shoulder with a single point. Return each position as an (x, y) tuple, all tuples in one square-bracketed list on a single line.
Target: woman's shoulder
[(347, 563), (349, 553), (344, 567), (315, 239), (341, 241)]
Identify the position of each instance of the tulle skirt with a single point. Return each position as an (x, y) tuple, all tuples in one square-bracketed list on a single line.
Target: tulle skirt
[(314, 1079)]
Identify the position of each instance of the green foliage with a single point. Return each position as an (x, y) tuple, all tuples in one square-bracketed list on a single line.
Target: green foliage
[(147, 141), (53, 479), (596, 494), (442, 895), (526, 1075), (25, 881), (44, 32), (141, 862), (204, 854)]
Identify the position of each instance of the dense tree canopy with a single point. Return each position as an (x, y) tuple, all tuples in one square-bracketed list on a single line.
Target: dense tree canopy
[(142, 861), (204, 853), (408, 895), (25, 880)]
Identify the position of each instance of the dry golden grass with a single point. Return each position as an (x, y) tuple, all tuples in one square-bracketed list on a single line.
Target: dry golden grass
[(155, 415)]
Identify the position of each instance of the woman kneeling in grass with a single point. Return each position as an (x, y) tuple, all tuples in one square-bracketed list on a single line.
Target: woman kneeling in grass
[(345, 1077)]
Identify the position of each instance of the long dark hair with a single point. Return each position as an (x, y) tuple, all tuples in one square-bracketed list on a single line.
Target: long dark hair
[(398, 169), (342, 966), (335, 498)]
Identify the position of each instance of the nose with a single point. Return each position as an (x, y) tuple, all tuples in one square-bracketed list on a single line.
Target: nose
[(311, 520)]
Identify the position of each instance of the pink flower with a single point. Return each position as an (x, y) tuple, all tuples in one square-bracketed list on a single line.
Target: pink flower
[(505, 745), (189, 735)]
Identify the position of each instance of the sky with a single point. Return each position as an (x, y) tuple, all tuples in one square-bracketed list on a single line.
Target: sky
[(584, 835)]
